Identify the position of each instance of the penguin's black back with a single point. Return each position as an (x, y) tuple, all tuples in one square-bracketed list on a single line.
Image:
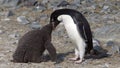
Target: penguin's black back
[(81, 22)]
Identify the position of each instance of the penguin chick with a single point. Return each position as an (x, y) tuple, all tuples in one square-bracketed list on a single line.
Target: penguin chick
[(32, 45)]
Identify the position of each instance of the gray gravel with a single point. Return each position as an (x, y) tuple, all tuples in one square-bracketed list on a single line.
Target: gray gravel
[(17, 18)]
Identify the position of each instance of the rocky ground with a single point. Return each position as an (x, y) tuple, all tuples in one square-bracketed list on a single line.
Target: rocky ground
[(103, 16)]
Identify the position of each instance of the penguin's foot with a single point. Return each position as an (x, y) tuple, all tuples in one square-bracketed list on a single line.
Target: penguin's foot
[(78, 61), (73, 59)]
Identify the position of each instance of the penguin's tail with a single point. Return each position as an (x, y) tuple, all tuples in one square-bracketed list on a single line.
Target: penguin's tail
[(95, 54)]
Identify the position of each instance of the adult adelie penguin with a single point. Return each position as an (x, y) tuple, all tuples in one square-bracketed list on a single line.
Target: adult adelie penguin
[(78, 30)]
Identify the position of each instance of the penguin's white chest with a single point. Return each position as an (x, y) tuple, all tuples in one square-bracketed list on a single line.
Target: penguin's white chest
[(74, 34), (71, 29)]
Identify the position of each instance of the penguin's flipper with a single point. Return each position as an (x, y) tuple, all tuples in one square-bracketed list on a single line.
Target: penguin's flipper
[(51, 49), (80, 28), (85, 31), (82, 32)]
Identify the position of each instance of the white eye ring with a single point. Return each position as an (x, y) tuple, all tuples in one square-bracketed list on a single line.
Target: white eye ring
[(59, 18)]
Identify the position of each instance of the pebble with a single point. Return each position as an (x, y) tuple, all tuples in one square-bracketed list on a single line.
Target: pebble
[(1, 31), (106, 65), (40, 8), (29, 3), (14, 35), (110, 43), (9, 13), (105, 9), (113, 48), (22, 20), (96, 45), (77, 1), (6, 19), (63, 4), (44, 2), (9, 3), (108, 32), (3, 65), (116, 49), (35, 25), (43, 17), (73, 6), (93, 6), (14, 42)]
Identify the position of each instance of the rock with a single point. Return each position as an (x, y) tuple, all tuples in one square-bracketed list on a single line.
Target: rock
[(117, 17), (63, 4), (73, 6), (116, 49), (14, 36), (52, 5), (93, 17), (89, 1), (43, 17), (16, 3), (113, 48), (1, 31), (9, 3), (22, 20), (3, 65), (96, 45), (109, 18), (105, 9), (6, 19), (83, 2), (108, 32), (58, 66), (57, 4), (87, 61), (25, 12), (93, 7), (2, 13), (35, 25), (106, 65), (40, 7), (110, 43), (14, 42), (77, 2), (44, 2), (29, 3), (9, 13)]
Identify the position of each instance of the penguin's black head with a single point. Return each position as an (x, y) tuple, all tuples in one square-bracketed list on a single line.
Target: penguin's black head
[(53, 19), (54, 16)]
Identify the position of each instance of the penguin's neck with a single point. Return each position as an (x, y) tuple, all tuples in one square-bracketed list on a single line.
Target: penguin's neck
[(48, 28), (67, 20)]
